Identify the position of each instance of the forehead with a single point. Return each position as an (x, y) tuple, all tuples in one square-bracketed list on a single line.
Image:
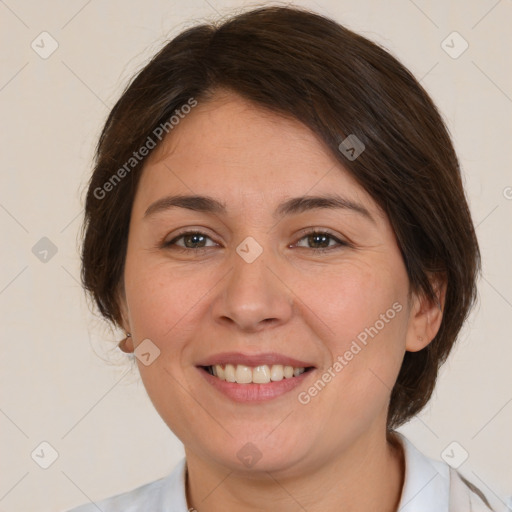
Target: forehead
[(230, 147), (230, 129)]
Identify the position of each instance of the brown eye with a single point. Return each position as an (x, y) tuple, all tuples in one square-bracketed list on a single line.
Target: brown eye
[(320, 241), (191, 240)]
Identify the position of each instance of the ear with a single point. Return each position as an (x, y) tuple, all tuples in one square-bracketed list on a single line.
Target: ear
[(126, 345), (426, 316)]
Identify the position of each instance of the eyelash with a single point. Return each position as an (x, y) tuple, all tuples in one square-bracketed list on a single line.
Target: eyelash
[(200, 250)]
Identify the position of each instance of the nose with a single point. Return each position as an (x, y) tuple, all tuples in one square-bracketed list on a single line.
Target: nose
[(253, 295)]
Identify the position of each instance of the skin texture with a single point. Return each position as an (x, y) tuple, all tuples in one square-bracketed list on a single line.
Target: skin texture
[(292, 300)]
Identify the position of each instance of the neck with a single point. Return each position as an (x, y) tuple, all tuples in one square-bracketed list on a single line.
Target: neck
[(367, 476)]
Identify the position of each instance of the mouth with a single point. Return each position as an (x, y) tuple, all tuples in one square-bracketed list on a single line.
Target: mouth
[(261, 374), (254, 378)]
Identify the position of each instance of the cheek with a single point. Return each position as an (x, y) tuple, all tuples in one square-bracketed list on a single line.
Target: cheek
[(364, 318), (162, 298), (355, 298), (163, 303)]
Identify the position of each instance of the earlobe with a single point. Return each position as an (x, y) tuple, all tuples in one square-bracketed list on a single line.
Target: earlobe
[(126, 344), (426, 318)]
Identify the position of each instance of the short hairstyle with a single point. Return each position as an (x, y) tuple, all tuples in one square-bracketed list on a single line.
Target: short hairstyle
[(298, 63)]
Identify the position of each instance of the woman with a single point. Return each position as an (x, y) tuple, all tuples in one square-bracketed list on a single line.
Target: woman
[(276, 219)]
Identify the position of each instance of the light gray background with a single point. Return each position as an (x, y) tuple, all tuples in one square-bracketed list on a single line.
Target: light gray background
[(63, 382)]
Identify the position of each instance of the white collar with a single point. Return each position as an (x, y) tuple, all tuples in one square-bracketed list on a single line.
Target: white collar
[(426, 484), (174, 495)]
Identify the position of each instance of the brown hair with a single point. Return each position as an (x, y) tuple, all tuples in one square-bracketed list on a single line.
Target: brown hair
[(338, 83)]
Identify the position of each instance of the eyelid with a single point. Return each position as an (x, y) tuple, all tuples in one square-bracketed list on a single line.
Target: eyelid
[(317, 229), (187, 231), (340, 241)]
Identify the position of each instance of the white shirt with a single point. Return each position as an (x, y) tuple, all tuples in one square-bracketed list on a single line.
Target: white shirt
[(429, 486)]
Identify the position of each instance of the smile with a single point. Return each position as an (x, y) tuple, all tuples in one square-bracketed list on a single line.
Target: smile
[(262, 374), (246, 384)]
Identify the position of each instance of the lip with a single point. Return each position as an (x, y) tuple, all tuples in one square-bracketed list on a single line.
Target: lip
[(268, 358), (254, 393)]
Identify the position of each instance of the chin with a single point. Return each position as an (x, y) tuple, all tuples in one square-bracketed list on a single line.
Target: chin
[(255, 456)]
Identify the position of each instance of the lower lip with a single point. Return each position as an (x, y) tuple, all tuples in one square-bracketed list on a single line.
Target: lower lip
[(254, 392)]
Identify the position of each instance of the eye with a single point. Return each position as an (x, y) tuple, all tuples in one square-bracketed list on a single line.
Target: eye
[(323, 239), (192, 240), (196, 241)]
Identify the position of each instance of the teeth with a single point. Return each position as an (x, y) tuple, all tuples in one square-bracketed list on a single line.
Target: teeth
[(258, 375), (229, 372), (219, 372), (277, 372), (288, 372), (261, 374), (243, 374)]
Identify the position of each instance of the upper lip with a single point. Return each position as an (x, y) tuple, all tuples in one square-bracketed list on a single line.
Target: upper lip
[(268, 358)]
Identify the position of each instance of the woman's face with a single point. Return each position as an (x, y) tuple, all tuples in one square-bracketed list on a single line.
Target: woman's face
[(255, 289)]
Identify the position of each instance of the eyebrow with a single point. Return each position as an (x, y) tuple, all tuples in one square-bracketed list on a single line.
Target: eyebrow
[(295, 205)]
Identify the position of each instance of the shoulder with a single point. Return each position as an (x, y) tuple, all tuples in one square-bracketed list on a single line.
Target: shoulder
[(431, 484), (163, 495), (465, 493)]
